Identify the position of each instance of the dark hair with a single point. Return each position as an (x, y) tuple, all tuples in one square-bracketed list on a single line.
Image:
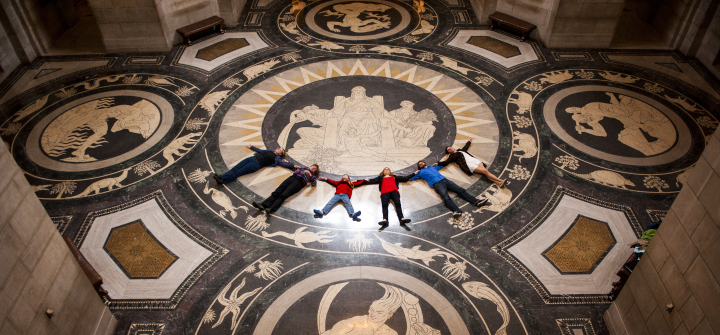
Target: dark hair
[(382, 174), (446, 149), (317, 171), (418, 164)]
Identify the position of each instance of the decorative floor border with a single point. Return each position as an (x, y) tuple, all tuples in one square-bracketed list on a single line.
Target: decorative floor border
[(217, 250), (551, 299)]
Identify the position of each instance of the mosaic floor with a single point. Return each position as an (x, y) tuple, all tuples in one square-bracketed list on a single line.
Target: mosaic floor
[(594, 145)]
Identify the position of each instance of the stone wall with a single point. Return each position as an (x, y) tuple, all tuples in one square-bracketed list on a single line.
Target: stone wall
[(708, 51), (483, 9), (584, 23), (681, 266), (149, 25), (176, 14), (673, 19), (129, 25), (37, 271), (538, 12), (8, 58), (15, 43), (230, 11)]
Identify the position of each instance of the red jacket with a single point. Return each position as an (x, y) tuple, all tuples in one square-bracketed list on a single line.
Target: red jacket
[(342, 186)]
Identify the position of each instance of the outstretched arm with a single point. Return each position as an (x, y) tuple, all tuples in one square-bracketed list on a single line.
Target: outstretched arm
[(403, 179), (375, 180), (284, 163), (467, 145)]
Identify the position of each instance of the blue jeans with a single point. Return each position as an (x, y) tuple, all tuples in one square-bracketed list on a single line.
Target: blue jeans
[(443, 186), (339, 197), (247, 165)]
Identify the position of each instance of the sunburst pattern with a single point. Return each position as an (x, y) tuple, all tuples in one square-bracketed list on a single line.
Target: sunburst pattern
[(243, 124)]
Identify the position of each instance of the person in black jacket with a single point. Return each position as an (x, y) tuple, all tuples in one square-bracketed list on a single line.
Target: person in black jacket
[(388, 184), (259, 160), (469, 163)]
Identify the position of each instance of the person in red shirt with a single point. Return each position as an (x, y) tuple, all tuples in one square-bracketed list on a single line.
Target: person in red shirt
[(343, 192), (388, 185)]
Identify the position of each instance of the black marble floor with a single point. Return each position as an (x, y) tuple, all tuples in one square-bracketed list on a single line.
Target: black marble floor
[(594, 144)]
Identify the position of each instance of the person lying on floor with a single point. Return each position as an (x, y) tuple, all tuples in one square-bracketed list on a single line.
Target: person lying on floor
[(442, 185), (261, 159), (469, 163), (343, 192), (388, 184), (293, 184)]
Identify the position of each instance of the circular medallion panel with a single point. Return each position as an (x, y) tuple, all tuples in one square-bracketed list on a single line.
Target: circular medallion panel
[(358, 20), (617, 125), (99, 130), (357, 116), (369, 123), (388, 301)]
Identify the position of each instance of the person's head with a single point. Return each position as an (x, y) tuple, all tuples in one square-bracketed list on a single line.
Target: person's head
[(386, 172), (450, 150), (315, 169), (407, 104), (280, 152), (346, 177), (421, 164)]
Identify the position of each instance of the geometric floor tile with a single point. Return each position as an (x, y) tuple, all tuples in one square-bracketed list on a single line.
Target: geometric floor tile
[(503, 50), (194, 56), (157, 256), (137, 251), (556, 227), (582, 247)]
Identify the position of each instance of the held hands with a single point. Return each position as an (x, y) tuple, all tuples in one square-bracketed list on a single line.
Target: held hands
[(285, 160), (416, 172), (323, 178), (436, 164), (296, 167)]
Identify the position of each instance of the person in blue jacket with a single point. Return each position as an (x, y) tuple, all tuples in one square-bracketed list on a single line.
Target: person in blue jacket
[(261, 159), (442, 185)]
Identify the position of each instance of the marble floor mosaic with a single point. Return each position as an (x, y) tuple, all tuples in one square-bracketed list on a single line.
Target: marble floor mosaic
[(594, 146)]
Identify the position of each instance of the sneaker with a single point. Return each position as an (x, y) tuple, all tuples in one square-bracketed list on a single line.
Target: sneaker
[(356, 215), (318, 213), (405, 221), (217, 178), (383, 223), (503, 184), (457, 215), (258, 206), (481, 202)]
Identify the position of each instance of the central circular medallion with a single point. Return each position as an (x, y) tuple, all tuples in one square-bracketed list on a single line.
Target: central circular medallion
[(358, 20), (359, 125), (356, 116)]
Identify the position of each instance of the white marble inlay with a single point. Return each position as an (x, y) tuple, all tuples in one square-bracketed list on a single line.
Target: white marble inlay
[(188, 56), (529, 250), (28, 80), (527, 54), (190, 254)]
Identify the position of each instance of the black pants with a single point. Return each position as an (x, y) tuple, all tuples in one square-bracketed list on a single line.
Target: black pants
[(385, 200), (443, 186), (290, 186)]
